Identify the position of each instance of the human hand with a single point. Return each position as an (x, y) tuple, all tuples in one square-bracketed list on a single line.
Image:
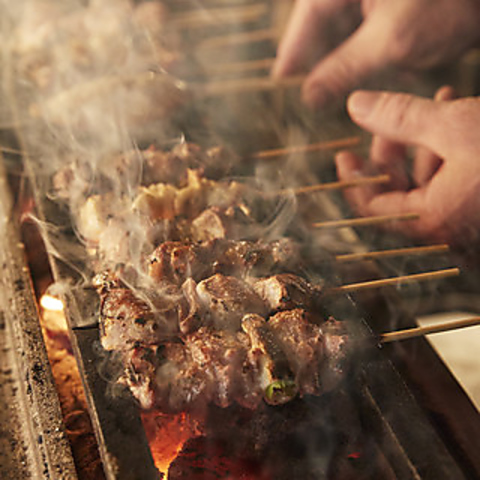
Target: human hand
[(444, 185), (406, 34)]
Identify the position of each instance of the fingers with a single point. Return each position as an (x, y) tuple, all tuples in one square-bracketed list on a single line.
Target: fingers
[(350, 166), (400, 117), (426, 162), (360, 56), (369, 201), (300, 44), (389, 158)]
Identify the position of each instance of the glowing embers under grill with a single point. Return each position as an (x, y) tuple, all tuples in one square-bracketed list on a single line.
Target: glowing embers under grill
[(316, 438)]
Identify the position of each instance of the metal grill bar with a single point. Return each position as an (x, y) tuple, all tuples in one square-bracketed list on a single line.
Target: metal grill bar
[(33, 442)]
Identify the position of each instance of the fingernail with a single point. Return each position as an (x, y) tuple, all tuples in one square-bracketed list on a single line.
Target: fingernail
[(361, 103)]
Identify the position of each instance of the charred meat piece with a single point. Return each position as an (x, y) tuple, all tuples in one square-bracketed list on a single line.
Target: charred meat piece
[(339, 348), (153, 165), (225, 300), (233, 223), (256, 259), (96, 213), (166, 167), (315, 354), (127, 320), (287, 291), (171, 166), (303, 344), (195, 317), (162, 200), (266, 361), (216, 162), (177, 261), (205, 368), (141, 364)]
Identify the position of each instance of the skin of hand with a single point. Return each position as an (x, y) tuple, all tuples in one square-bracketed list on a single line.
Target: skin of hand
[(404, 34), (444, 185)]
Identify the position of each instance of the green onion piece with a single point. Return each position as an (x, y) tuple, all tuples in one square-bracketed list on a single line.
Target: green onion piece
[(280, 391)]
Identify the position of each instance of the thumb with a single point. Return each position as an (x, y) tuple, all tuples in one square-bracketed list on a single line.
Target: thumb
[(399, 117)]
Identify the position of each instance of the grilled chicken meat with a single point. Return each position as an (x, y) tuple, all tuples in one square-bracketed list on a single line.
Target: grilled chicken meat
[(234, 222), (259, 362), (149, 166), (286, 291), (162, 200), (126, 319), (219, 301), (176, 261), (225, 300)]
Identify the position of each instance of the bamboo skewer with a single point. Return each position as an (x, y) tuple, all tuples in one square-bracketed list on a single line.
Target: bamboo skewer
[(312, 147), (323, 187), (354, 257), (219, 16), (365, 221), (404, 279), (240, 67), (242, 38), (421, 331), (11, 150), (241, 85)]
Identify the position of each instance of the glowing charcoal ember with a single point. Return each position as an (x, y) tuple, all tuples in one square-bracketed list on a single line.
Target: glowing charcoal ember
[(204, 459), (167, 434)]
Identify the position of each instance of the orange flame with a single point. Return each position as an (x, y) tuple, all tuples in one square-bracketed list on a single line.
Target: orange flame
[(166, 435)]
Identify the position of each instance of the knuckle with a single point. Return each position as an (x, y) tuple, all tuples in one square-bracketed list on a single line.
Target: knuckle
[(399, 50)]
